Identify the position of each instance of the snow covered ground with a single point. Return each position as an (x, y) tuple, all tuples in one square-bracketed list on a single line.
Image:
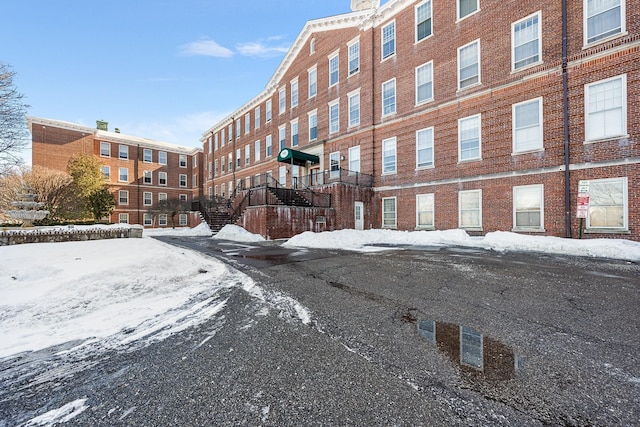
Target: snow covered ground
[(120, 293)]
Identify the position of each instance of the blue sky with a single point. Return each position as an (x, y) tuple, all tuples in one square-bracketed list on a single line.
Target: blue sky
[(163, 69)]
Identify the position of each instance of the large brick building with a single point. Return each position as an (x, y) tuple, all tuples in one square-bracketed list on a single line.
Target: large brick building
[(140, 172), (417, 115)]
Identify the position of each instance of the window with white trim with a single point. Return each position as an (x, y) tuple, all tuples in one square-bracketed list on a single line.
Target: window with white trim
[(162, 178), (256, 151), (424, 148), (147, 177), (123, 175), (354, 57), (215, 142), (148, 220), (389, 97), (247, 154), (162, 220), (215, 167), (608, 204), (230, 158), (238, 128), (182, 219), (194, 181), (230, 129), (528, 207), (183, 180), (256, 117), (470, 209), (268, 111), (106, 172), (222, 140), (123, 197), (105, 149), (334, 164), (210, 170), (527, 126), (423, 14), (123, 152), (294, 93), (603, 19), (606, 108), (313, 125), (334, 67), (354, 108), (354, 159), (282, 136), (147, 155), (526, 41), (389, 156), (247, 123), (282, 100), (334, 116), (183, 160), (424, 211), (469, 64), (238, 158), (268, 145), (147, 198), (162, 196), (183, 197), (469, 138), (313, 81), (294, 133), (312, 46), (388, 34), (389, 212), (466, 8), (123, 218), (424, 83)]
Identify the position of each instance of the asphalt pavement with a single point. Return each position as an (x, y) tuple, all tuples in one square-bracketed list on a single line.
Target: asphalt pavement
[(403, 337)]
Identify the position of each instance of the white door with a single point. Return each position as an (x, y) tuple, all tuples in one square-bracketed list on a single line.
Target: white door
[(359, 215)]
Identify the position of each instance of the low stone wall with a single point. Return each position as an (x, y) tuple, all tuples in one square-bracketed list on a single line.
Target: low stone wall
[(48, 235)]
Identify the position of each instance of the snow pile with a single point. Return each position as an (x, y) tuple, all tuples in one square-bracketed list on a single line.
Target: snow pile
[(237, 234), (60, 415), (200, 230), (376, 240)]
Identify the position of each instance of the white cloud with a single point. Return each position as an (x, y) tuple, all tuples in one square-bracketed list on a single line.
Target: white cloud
[(261, 49), (205, 47)]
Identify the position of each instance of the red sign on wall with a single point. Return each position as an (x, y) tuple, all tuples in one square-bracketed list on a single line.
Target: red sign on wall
[(583, 205)]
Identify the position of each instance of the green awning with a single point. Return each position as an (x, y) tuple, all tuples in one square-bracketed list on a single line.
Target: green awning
[(287, 155)]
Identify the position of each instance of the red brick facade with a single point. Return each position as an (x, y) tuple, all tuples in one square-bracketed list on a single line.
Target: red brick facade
[(493, 144), (54, 142)]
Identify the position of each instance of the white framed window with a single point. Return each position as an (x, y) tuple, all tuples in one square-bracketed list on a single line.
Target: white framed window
[(334, 164), (312, 46), (162, 157), (194, 181), (182, 219), (423, 14), (389, 212), (148, 220), (147, 177), (469, 65), (603, 19), (282, 100), (527, 126), (282, 175), (238, 158), (210, 142), (147, 198), (313, 81), (526, 41), (528, 208), (162, 178), (162, 196), (424, 211), (469, 138), (147, 155), (230, 129), (247, 123), (215, 142), (222, 140), (313, 125), (294, 133), (294, 93), (354, 108), (183, 180), (162, 220), (606, 108), (183, 197), (424, 83), (183, 160), (123, 197), (354, 57), (389, 97), (238, 128), (388, 34), (194, 161), (210, 170), (389, 156), (354, 159), (123, 175), (334, 68), (215, 167), (105, 149), (123, 152), (282, 136), (123, 218), (470, 209), (268, 146), (247, 154), (466, 8), (256, 117), (256, 151), (268, 111), (608, 205), (334, 116), (424, 148), (106, 172)]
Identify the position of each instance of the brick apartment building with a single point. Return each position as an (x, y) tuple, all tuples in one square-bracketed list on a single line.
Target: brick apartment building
[(140, 172), (483, 115)]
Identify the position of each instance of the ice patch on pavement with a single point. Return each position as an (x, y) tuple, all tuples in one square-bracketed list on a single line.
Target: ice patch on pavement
[(61, 415)]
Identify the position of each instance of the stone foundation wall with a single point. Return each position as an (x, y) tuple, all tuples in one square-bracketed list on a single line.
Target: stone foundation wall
[(16, 237)]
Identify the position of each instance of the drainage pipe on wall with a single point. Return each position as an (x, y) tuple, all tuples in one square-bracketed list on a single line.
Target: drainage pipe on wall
[(565, 112)]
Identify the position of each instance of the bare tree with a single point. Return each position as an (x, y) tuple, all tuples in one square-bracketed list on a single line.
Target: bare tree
[(14, 135)]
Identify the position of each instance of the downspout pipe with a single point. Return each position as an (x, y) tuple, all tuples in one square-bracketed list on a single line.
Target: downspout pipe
[(565, 112)]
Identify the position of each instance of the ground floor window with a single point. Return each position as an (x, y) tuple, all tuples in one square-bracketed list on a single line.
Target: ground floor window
[(148, 219), (608, 204), (528, 207), (123, 218), (182, 220), (162, 220), (424, 211), (470, 209), (389, 213)]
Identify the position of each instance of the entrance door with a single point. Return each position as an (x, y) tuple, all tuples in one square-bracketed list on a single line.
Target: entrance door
[(359, 215)]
